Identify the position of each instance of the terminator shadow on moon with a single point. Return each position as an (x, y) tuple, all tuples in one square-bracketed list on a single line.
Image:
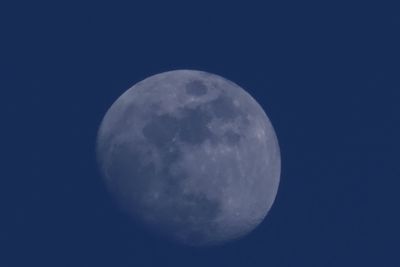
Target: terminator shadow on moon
[(190, 155)]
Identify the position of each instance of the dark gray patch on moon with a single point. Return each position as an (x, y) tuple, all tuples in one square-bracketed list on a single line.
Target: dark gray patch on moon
[(194, 126), (191, 128), (200, 174), (196, 88), (223, 108), (161, 130), (232, 138)]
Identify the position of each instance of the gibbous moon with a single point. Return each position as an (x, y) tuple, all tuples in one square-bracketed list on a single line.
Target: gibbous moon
[(191, 155)]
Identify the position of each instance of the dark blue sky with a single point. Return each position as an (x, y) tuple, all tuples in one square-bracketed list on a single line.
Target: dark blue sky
[(326, 74)]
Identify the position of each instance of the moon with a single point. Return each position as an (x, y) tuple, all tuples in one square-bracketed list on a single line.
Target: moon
[(190, 155)]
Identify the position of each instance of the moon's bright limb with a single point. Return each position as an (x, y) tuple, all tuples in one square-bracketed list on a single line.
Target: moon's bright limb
[(191, 155)]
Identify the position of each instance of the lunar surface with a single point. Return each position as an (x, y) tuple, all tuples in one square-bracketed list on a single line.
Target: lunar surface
[(192, 156)]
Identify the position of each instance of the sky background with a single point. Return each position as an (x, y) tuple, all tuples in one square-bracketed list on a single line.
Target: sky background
[(327, 74)]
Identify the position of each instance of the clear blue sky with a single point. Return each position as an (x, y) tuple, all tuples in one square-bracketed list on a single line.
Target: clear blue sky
[(326, 74)]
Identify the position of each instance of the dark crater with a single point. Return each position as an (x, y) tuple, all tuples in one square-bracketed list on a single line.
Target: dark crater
[(196, 88)]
